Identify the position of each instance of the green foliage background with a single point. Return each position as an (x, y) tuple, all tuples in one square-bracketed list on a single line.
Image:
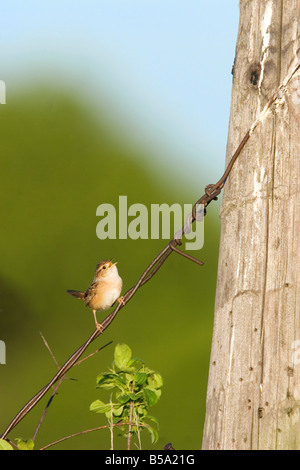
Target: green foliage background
[(58, 163)]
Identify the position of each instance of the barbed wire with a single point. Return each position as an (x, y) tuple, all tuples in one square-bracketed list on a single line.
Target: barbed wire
[(212, 192)]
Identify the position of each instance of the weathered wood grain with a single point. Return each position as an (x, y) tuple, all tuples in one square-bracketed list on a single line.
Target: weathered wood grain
[(253, 396)]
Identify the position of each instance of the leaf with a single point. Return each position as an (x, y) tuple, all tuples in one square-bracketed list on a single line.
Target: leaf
[(118, 410), (134, 396), (155, 380), (150, 396), (124, 398), (107, 385), (109, 377), (140, 378), (4, 445), (142, 412), (108, 381), (114, 412), (136, 360), (120, 379), (153, 433), (122, 356), (116, 419), (104, 378), (25, 444), (129, 378), (99, 407), (155, 420)]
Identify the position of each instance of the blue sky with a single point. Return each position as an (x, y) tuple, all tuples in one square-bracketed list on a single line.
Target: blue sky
[(162, 66)]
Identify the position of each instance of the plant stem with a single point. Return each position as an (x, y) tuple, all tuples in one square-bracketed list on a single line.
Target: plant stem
[(111, 426), (130, 425), (138, 430)]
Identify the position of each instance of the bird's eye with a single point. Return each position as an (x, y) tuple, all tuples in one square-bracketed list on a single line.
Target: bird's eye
[(104, 267)]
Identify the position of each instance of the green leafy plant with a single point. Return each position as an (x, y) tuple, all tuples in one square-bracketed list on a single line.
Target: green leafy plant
[(4, 445), (135, 388), (22, 444), (25, 444)]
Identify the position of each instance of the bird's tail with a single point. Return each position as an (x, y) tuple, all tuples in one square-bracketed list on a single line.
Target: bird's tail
[(77, 293)]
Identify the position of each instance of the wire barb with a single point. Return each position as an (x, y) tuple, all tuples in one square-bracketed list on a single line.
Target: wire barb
[(182, 253)]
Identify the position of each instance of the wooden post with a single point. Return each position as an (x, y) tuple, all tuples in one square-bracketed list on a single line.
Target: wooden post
[(253, 396)]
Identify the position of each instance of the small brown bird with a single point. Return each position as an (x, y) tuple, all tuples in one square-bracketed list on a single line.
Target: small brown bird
[(104, 290)]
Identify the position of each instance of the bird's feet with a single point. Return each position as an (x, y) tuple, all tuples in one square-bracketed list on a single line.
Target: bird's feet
[(121, 300), (99, 327)]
